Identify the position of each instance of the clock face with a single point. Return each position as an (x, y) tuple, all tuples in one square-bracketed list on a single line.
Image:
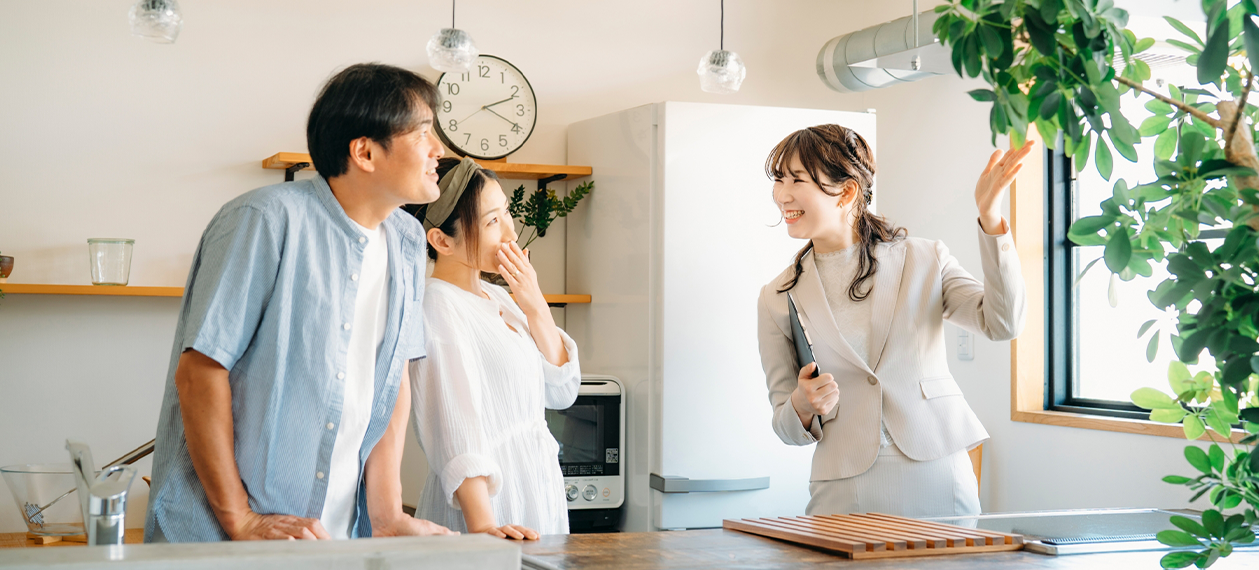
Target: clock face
[(487, 112)]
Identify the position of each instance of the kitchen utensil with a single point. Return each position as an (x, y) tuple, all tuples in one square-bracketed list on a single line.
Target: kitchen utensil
[(34, 514), (873, 535)]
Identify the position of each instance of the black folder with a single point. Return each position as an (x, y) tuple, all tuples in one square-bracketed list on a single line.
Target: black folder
[(804, 345)]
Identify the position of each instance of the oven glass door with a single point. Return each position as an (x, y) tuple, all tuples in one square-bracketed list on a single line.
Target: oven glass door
[(588, 436)]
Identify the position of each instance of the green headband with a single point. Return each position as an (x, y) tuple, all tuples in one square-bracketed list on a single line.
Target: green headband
[(452, 185)]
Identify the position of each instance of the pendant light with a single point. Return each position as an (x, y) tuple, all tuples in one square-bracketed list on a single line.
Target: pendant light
[(156, 20), (451, 50), (721, 71)]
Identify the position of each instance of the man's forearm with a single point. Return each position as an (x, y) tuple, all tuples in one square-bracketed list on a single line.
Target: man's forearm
[(383, 471), (205, 402)]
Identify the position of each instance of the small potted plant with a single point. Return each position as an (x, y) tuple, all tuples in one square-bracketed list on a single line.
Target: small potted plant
[(6, 267), (543, 207)]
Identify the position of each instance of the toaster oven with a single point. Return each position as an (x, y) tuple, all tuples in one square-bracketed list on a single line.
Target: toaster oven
[(591, 435)]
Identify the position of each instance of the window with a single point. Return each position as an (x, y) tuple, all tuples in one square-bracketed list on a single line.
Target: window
[(1094, 359)]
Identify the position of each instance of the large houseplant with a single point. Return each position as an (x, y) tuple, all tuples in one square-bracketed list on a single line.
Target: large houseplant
[(1063, 65)]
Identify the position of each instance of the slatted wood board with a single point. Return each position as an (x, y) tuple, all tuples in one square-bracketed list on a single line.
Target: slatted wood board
[(874, 535)]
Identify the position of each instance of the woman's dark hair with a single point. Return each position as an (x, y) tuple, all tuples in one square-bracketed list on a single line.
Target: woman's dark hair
[(365, 100), (466, 217), (839, 154)]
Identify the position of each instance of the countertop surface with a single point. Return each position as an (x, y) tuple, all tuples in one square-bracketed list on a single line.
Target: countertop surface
[(729, 549)]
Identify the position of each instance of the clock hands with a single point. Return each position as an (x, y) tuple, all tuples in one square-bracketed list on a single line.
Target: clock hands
[(499, 102), (460, 122), (487, 108)]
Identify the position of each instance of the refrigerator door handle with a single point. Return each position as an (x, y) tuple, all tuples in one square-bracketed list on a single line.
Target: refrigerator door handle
[(670, 484)]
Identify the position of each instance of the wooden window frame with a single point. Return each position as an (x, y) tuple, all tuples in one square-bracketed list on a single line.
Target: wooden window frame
[(1028, 351)]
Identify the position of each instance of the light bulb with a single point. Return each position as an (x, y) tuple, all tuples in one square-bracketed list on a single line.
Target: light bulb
[(451, 51), (156, 20), (721, 71)]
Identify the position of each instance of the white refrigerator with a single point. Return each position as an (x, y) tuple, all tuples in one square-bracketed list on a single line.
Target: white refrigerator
[(674, 246)]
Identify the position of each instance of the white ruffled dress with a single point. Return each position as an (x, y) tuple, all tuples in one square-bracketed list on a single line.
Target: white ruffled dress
[(479, 400)]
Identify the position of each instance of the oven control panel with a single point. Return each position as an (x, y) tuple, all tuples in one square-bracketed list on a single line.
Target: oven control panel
[(594, 492)]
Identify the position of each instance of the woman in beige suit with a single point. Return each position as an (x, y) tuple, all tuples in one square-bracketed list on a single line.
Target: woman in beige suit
[(891, 425)]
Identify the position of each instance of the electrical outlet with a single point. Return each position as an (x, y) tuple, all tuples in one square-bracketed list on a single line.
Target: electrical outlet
[(965, 345)]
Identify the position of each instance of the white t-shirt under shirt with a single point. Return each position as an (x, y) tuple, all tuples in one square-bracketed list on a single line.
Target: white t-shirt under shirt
[(371, 305), (836, 270)]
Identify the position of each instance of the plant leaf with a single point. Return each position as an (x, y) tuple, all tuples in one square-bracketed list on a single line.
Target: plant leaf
[(1251, 33), (1214, 56), (1179, 559), (1213, 521), (982, 95), (1198, 458), (1118, 250), (1177, 538), (1194, 429), (1152, 399), (1165, 144), (1151, 349), (1182, 28), (1145, 327), (1168, 415), (1105, 164)]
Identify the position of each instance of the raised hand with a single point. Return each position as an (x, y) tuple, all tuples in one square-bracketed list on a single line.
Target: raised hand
[(514, 266), (997, 176), (814, 396)]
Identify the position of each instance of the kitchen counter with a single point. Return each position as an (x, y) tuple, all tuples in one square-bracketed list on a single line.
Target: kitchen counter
[(466, 552), (726, 549)]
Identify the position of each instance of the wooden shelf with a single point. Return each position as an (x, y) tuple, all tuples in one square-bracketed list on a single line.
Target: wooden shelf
[(127, 291), (130, 291), (508, 170)]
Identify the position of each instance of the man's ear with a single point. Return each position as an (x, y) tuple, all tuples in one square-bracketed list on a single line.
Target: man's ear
[(440, 242), (362, 150)]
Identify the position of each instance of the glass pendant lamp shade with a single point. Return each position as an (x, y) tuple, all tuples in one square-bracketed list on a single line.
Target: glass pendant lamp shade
[(721, 71), (156, 20), (452, 51)]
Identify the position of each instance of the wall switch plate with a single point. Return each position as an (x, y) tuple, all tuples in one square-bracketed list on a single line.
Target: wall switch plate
[(965, 345)]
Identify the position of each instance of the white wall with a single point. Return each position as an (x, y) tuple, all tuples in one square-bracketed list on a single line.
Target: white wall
[(106, 135)]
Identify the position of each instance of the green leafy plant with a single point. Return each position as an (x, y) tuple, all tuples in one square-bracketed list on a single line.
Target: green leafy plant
[(543, 206), (1062, 66)]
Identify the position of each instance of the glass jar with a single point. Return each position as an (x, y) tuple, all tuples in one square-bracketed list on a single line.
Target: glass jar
[(110, 259)]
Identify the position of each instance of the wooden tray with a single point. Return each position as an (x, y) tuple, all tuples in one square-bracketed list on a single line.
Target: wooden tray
[(874, 535)]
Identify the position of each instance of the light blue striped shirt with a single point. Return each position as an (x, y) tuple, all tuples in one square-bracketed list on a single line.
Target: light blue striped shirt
[(270, 297)]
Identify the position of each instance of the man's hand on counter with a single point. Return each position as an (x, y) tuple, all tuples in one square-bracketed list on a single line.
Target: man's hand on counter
[(254, 526)]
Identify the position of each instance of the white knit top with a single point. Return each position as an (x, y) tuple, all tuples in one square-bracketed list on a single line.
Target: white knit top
[(836, 270), (478, 404)]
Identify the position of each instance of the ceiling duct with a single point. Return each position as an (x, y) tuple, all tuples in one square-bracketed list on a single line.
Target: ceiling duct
[(884, 55)]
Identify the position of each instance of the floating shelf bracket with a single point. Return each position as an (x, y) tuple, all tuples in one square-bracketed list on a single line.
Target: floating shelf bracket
[(292, 169), (542, 182)]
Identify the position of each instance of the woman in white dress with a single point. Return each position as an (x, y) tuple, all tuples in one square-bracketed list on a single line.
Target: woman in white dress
[(890, 424), (493, 366)]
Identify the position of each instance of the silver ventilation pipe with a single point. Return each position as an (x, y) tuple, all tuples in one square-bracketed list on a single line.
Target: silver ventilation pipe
[(884, 55)]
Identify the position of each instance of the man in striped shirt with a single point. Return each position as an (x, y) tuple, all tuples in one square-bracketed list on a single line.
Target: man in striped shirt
[(287, 399)]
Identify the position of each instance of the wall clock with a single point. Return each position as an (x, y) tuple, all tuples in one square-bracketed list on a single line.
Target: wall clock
[(487, 112)]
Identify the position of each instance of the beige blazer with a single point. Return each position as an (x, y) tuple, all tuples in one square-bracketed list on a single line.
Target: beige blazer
[(907, 383)]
